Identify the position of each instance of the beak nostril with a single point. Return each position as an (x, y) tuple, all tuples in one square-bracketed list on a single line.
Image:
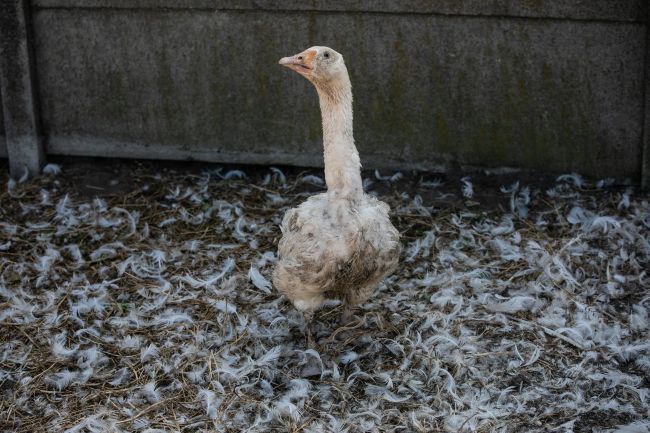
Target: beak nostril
[(299, 57)]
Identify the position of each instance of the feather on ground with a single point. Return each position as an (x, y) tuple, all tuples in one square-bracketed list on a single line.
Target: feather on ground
[(496, 322)]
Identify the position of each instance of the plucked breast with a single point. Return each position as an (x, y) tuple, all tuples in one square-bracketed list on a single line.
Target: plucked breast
[(334, 244), (318, 230)]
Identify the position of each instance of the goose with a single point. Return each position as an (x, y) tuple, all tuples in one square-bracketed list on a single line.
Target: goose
[(339, 244)]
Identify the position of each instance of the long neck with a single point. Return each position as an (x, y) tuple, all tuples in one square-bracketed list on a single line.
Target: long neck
[(342, 164)]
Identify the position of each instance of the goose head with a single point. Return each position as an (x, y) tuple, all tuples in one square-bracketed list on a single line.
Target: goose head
[(320, 65)]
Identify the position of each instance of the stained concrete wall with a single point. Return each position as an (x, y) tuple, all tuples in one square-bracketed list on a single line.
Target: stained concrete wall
[(555, 85), (3, 143)]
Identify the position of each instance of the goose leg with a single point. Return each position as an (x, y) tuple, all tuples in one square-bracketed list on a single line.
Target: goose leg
[(346, 316), (308, 316)]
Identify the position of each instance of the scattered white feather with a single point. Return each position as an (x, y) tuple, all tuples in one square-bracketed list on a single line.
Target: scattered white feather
[(467, 187), (58, 346), (573, 178), (149, 353), (92, 424), (168, 318), (196, 375), (604, 183), (234, 174), (392, 178), (513, 305), (131, 342), (61, 379), (150, 392), (435, 183), (210, 403), (52, 169), (349, 357), (279, 175), (23, 178), (224, 306), (121, 377), (167, 222), (634, 427), (258, 280), (11, 186), (314, 180)]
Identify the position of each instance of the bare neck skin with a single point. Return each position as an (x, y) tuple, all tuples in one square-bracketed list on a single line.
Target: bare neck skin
[(342, 164)]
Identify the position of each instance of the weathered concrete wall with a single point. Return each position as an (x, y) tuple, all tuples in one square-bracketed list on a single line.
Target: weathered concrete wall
[(607, 10), (556, 85), (645, 166), (19, 96), (3, 142)]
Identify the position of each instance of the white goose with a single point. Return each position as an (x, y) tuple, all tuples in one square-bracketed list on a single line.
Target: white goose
[(339, 244)]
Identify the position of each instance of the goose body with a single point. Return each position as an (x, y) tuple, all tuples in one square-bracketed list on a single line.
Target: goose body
[(339, 244)]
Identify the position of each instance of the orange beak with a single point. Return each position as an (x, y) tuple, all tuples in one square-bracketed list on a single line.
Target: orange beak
[(302, 63)]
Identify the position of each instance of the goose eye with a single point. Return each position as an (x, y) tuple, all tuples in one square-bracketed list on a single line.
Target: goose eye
[(327, 55)]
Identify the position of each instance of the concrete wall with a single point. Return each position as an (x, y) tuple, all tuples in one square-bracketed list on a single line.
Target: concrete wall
[(3, 143), (554, 85)]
